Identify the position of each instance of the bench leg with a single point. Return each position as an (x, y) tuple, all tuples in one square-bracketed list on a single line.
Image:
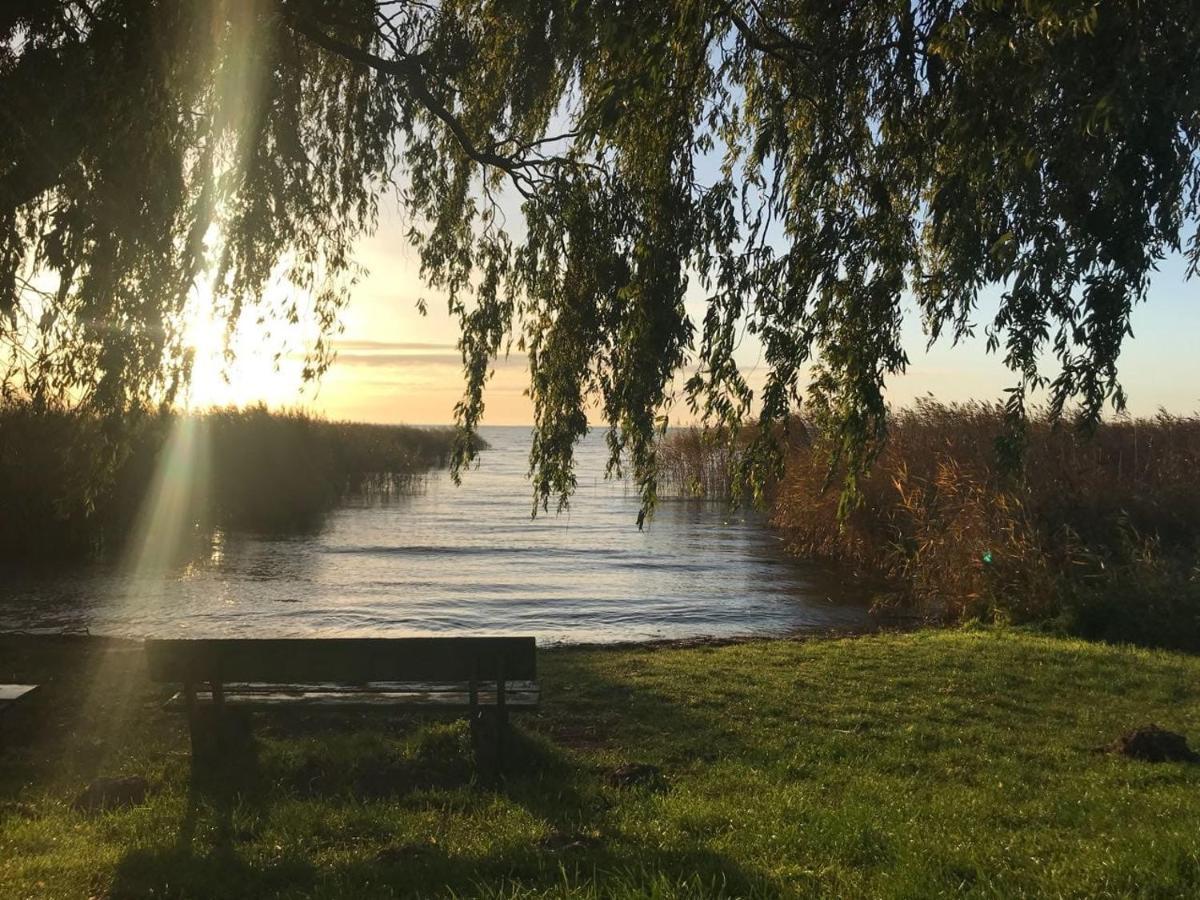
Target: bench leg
[(501, 719), (473, 693), (189, 698), (218, 716)]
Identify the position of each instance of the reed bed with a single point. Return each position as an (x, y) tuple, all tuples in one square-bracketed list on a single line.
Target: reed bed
[(74, 486), (697, 463), (1098, 533)]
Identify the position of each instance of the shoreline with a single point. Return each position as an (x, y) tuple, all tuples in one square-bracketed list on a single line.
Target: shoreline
[(893, 625)]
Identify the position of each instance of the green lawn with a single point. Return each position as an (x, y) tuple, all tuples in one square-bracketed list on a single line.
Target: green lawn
[(917, 765)]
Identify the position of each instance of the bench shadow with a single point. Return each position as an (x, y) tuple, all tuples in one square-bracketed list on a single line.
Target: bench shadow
[(225, 775), (224, 868)]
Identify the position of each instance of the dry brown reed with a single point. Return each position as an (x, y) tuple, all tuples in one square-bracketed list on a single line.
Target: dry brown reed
[(696, 463), (1097, 531)]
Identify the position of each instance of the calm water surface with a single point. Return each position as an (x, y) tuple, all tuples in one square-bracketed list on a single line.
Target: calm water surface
[(467, 559)]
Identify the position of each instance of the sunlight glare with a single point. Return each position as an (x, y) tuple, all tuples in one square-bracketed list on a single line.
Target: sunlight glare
[(257, 365)]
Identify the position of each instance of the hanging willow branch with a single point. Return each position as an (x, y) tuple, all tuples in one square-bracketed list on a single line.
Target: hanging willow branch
[(798, 169)]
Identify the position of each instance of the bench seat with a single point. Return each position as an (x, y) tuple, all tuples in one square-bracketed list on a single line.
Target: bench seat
[(424, 695), (11, 693)]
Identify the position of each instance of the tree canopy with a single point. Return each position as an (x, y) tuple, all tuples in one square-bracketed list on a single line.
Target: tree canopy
[(802, 165)]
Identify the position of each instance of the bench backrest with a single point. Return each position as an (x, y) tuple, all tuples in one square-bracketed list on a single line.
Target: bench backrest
[(344, 660)]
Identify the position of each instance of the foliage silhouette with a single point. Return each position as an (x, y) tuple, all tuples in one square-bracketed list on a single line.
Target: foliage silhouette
[(804, 166)]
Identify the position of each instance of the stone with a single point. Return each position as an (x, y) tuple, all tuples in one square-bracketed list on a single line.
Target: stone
[(1150, 743)]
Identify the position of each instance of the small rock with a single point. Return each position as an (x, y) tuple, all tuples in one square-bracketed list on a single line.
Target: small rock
[(637, 775), (1150, 743), (112, 793)]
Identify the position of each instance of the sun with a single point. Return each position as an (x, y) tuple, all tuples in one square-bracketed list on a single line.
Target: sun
[(263, 365)]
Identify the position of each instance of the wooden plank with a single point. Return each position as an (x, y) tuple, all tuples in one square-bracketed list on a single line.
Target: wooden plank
[(10, 693), (350, 660), (392, 687), (330, 699)]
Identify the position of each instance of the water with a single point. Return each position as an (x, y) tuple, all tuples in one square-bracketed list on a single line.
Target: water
[(450, 560)]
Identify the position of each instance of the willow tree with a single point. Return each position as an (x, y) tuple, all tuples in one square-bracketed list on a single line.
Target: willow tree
[(573, 169)]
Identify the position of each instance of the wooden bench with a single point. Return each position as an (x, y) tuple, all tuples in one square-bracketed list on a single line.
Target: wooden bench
[(472, 674), (10, 694)]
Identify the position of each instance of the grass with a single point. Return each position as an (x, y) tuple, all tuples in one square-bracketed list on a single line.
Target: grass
[(900, 765)]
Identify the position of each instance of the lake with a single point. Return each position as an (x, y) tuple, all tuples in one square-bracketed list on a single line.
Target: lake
[(441, 559)]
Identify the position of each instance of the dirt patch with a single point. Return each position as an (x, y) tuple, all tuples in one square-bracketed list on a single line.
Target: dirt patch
[(1150, 743)]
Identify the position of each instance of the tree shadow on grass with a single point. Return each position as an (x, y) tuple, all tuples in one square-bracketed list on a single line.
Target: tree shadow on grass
[(180, 872), (338, 765), (593, 712), (581, 846), (428, 870)]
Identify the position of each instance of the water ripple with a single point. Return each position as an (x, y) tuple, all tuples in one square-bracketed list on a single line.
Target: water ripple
[(449, 560)]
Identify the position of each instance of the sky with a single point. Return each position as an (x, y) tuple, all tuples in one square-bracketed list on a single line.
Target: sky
[(396, 366)]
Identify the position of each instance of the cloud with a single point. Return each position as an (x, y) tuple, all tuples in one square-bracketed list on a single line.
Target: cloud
[(407, 354), (398, 359), (390, 346)]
